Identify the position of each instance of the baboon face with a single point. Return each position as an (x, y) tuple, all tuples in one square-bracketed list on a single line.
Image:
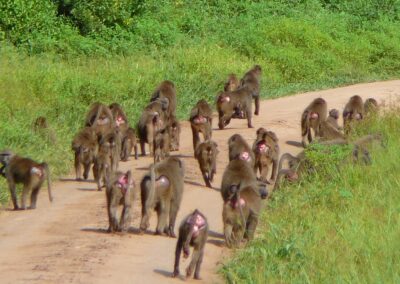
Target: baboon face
[(197, 222)]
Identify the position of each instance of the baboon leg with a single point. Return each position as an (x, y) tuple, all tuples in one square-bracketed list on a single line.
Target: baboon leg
[(11, 185), (195, 258), (24, 196), (239, 234), (251, 226), (34, 195), (208, 130), (196, 138), (173, 212), (113, 214), (248, 113), (257, 104), (178, 250), (264, 169), (162, 212), (309, 135), (86, 169), (142, 148), (228, 228), (125, 218), (198, 265), (224, 121), (78, 169), (274, 170), (206, 179)]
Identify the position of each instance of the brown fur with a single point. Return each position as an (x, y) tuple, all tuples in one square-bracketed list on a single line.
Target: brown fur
[(240, 149), (370, 106), (166, 90), (311, 118), (353, 112), (333, 118), (129, 143), (201, 122), (100, 118), (85, 149), (251, 80), (174, 133), (161, 145), (232, 83), (206, 154)]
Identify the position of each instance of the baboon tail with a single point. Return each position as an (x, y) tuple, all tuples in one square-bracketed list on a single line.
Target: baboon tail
[(152, 190), (47, 172), (304, 123)]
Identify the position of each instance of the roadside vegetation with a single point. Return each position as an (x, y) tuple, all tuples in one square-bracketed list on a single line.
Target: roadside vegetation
[(339, 225)]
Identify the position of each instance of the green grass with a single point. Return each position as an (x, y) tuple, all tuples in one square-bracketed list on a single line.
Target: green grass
[(341, 225)]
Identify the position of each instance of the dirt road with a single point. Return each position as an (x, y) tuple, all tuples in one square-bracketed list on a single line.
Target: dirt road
[(66, 242)]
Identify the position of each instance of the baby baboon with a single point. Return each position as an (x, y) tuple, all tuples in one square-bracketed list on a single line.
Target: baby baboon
[(266, 151), (31, 174), (297, 166), (129, 142), (370, 106), (353, 111), (232, 83), (41, 127), (120, 191), (333, 118), (167, 91), (100, 117), (311, 119), (161, 145), (239, 149), (234, 104), (327, 132), (206, 154), (251, 80), (193, 231), (201, 121), (174, 133), (162, 190), (152, 120), (85, 149)]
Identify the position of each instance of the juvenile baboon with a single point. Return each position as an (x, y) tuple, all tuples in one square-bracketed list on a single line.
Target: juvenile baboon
[(333, 118), (251, 80), (129, 142), (85, 149), (266, 151), (206, 154), (31, 174), (166, 90), (41, 126), (193, 231), (240, 149), (112, 141), (234, 104), (120, 191), (353, 111), (370, 106), (100, 117), (161, 145), (153, 119), (201, 121), (297, 165), (311, 118), (174, 133), (327, 132), (232, 83), (162, 190)]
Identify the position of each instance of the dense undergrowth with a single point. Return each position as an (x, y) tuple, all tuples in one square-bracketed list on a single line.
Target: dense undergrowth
[(59, 56), (340, 225)]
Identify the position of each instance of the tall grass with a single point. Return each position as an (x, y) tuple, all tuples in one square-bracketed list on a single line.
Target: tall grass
[(339, 226)]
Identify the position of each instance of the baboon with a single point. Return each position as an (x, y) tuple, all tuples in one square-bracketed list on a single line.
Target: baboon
[(353, 111), (333, 118), (242, 195), (120, 191), (129, 142), (266, 151), (206, 154), (85, 149), (100, 117), (251, 80), (201, 121), (311, 118), (174, 133), (40, 126), (31, 174), (234, 104), (240, 149), (297, 165), (119, 117), (193, 231), (153, 119), (112, 141), (161, 145), (232, 83), (166, 90), (327, 132), (162, 190), (370, 106)]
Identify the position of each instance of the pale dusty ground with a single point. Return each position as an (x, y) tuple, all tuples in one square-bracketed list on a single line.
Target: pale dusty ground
[(65, 242)]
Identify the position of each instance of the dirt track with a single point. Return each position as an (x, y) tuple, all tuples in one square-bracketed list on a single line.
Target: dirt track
[(66, 242)]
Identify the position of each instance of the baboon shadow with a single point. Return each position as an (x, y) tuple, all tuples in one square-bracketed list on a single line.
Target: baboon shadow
[(142, 168), (218, 243), (87, 189), (95, 230), (214, 234), (182, 156), (168, 274), (200, 184), (295, 143), (74, 180)]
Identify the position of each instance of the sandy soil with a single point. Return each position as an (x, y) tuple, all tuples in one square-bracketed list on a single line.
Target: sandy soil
[(66, 242)]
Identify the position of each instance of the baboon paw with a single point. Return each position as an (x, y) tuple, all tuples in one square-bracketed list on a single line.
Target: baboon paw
[(197, 277)]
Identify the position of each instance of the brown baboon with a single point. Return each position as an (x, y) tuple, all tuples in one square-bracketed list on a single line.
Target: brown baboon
[(333, 118), (266, 151), (193, 231), (162, 190), (327, 132), (85, 149), (240, 149), (312, 116), (232, 83), (129, 142), (166, 90), (40, 126), (201, 121), (120, 191), (353, 111), (161, 145), (112, 140), (241, 211), (251, 80), (174, 133), (100, 117), (119, 117), (370, 106), (235, 104), (206, 154), (31, 174), (152, 120)]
